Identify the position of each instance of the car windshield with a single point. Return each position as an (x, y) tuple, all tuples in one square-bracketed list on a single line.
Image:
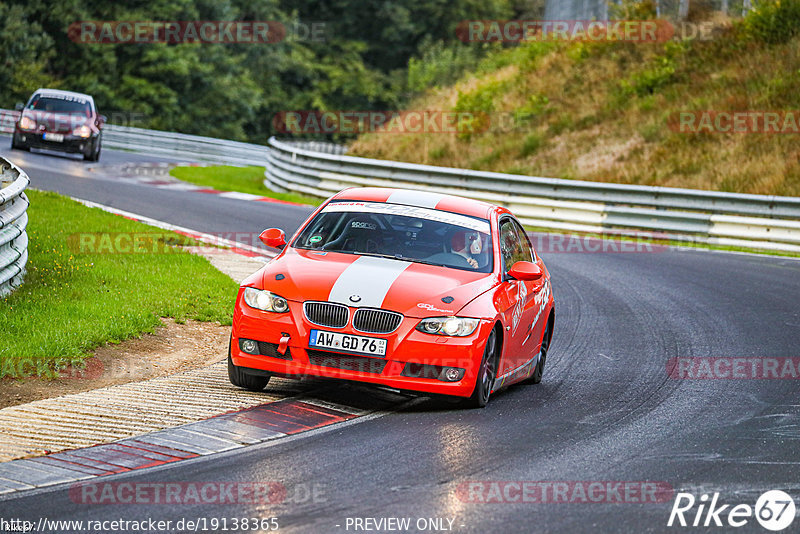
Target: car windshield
[(407, 233), (67, 105)]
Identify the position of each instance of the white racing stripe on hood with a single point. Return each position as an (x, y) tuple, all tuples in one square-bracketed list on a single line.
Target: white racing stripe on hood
[(420, 199), (368, 277)]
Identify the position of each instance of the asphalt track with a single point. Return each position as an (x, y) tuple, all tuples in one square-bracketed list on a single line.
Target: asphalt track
[(606, 410)]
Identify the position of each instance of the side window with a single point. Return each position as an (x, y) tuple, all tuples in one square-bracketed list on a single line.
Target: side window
[(525, 243), (510, 246)]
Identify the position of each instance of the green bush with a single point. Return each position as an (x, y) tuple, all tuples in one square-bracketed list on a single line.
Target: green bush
[(531, 144), (773, 21), (480, 102), (649, 80), (659, 74), (441, 64)]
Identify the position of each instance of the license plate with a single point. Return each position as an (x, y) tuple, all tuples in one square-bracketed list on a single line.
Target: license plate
[(57, 137), (347, 343)]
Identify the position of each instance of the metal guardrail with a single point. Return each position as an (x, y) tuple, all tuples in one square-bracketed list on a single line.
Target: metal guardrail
[(732, 219), (13, 221), (185, 147)]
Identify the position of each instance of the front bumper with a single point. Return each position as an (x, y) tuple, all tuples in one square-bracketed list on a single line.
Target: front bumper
[(71, 143), (405, 346)]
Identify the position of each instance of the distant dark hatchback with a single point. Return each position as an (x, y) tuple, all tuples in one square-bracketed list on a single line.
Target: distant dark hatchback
[(60, 120)]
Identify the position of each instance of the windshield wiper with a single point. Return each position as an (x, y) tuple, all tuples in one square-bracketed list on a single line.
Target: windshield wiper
[(415, 260)]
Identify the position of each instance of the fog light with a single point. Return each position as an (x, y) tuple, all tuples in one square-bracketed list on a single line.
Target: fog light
[(249, 346), (451, 374)]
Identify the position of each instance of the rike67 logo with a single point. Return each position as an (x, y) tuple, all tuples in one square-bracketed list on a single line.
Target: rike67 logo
[(774, 510)]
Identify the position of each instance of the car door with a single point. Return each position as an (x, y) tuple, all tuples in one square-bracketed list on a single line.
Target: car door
[(534, 320), (516, 296)]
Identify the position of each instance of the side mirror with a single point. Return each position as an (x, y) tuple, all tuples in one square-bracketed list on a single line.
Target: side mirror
[(101, 120), (525, 270), (19, 106), (273, 237)]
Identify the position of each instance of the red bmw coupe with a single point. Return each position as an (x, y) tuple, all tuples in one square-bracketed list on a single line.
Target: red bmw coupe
[(412, 290)]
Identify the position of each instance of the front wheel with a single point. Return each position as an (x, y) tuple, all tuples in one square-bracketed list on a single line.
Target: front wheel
[(15, 145), (536, 377), (93, 155), (243, 380), (486, 374)]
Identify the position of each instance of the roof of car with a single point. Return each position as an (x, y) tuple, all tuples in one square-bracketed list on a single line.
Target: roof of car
[(422, 199), (59, 92)]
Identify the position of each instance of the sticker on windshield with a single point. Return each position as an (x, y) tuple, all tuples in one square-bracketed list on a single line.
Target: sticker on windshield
[(315, 239), (464, 221), (68, 98)]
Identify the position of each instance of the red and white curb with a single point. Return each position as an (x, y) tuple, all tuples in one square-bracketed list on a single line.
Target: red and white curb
[(229, 431)]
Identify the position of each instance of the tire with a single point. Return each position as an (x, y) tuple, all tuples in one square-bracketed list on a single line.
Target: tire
[(538, 372), (15, 145), (486, 374), (95, 155), (244, 380)]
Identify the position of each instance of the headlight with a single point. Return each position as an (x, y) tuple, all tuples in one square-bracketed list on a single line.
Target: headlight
[(264, 300), (26, 123), (82, 131), (448, 326)]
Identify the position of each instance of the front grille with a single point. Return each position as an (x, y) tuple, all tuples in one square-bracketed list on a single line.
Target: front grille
[(360, 364), (326, 314), (374, 321)]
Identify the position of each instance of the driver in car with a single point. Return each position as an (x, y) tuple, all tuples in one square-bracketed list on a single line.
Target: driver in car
[(468, 245)]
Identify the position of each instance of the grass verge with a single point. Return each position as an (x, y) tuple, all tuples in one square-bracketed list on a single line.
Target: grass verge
[(239, 179), (73, 301)]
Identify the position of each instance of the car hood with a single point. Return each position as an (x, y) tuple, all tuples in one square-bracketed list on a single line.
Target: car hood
[(413, 289)]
